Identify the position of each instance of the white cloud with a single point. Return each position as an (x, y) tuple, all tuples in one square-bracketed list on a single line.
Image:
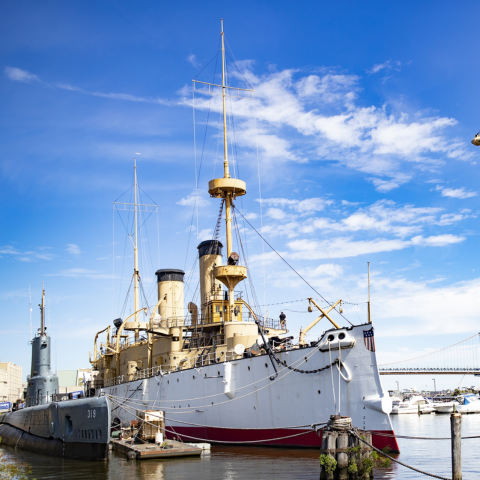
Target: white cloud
[(455, 192), (431, 307), (384, 186), (276, 213), (73, 249), (193, 199), (383, 216), (114, 96), (436, 240), (191, 58), (302, 207), (205, 234), (388, 65), (26, 256), (343, 247), (19, 75), (320, 120), (81, 273)]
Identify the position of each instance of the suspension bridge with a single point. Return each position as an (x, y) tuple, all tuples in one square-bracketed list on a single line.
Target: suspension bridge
[(461, 358)]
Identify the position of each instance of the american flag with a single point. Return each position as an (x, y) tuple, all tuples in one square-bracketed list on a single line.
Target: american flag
[(369, 339)]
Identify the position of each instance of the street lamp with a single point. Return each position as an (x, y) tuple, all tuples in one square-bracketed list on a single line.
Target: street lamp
[(434, 385)]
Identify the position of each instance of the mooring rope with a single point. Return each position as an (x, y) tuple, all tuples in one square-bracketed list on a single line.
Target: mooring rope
[(354, 432)]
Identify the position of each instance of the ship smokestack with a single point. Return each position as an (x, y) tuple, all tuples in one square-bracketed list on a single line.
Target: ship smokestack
[(170, 283), (209, 255)]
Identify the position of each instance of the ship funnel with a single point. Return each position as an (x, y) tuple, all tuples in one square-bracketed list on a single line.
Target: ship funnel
[(170, 283), (209, 256)]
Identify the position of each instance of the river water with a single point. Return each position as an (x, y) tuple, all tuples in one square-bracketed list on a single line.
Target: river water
[(257, 463)]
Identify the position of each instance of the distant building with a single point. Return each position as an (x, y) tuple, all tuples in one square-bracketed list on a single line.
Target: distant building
[(10, 382), (73, 380), (3, 386)]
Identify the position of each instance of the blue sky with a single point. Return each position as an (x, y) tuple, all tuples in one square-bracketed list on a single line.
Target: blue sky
[(362, 118)]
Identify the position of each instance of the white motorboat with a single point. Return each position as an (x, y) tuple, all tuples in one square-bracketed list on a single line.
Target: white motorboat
[(464, 404), (413, 404)]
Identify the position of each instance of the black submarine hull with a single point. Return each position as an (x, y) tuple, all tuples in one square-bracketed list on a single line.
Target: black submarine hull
[(77, 429)]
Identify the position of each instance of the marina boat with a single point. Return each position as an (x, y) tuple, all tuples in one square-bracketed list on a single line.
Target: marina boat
[(72, 428), (412, 404), (219, 369), (463, 404)]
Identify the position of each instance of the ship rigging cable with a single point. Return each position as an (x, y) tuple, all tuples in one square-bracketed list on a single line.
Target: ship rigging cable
[(355, 432), (261, 236), (197, 174)]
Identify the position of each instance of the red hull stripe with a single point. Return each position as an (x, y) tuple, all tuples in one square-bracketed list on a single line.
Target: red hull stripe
[(263, 437)]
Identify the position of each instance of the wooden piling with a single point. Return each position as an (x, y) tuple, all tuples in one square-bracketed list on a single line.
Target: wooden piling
[(329, 440), (456, 432), (353, 443), (339, 442), (342, 456)]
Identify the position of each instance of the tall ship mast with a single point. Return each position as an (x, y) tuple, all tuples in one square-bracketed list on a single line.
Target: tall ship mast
[(222, 372)]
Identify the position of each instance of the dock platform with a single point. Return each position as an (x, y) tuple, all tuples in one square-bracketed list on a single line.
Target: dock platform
[(168, 449)]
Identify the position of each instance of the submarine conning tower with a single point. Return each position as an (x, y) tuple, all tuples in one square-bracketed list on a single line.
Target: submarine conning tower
[(42, 383)]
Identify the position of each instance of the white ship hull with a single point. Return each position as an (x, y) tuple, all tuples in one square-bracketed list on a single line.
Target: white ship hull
[(237, 402)]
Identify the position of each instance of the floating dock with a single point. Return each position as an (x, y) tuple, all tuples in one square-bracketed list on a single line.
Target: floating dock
[(168, 449)]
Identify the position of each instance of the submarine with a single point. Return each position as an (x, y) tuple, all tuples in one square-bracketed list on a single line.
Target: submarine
[(77, 429)]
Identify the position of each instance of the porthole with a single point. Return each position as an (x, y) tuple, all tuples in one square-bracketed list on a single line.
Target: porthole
[(319, 392), (178, 379), (330, 338), (341, 336), (248, 368), (218, 373), (266, 365), (194, 377)]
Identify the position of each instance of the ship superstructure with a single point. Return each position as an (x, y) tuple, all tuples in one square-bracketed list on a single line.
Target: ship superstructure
[(225, 373)]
